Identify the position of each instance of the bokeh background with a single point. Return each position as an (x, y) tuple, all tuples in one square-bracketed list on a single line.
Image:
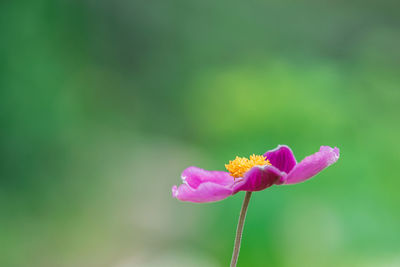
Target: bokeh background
[(104, 103)]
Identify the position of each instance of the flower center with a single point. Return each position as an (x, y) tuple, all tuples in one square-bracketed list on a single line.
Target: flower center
[(239, 166)]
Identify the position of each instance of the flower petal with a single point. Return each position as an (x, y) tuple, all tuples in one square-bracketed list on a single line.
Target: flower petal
[(194, 176), (312, 165), (258, 178), (282, 158), (205, 192)]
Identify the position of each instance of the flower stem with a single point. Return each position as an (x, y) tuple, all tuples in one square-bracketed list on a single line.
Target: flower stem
[(239, 229)]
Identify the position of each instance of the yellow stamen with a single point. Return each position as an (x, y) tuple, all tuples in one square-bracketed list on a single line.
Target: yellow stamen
[(239, 166)]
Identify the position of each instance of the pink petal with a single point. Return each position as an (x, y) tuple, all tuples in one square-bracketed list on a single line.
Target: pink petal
[(282, 158), (205, 192), (258, 178), (312, 165), (203, 186), (194, 176)]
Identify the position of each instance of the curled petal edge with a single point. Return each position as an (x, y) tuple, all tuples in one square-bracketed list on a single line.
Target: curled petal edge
[(313, 164), (259, 178)]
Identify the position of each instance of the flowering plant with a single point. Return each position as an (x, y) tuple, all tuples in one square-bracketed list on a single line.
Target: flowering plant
[(275, 167)]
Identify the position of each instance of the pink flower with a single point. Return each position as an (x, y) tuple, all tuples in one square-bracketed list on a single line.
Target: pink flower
[(277, 166)]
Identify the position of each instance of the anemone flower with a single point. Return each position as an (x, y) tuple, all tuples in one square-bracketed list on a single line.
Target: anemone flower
[(275, 167)]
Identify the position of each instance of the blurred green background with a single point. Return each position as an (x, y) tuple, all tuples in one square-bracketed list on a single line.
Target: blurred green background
[(104, 103)]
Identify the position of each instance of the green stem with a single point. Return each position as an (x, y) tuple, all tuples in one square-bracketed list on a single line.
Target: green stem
[(239, 229)]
